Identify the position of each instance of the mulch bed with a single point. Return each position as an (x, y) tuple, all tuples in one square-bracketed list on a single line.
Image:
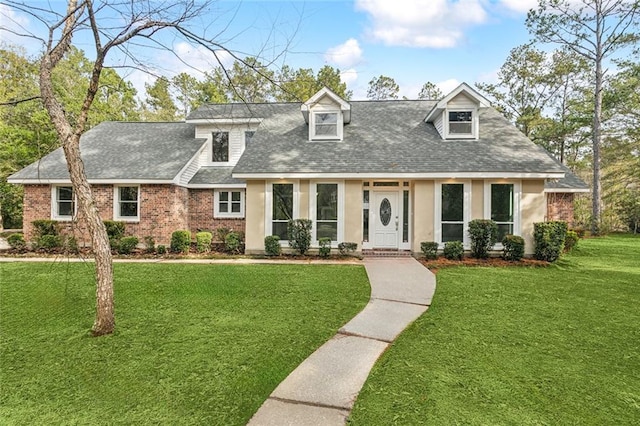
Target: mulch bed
[(497, 262)]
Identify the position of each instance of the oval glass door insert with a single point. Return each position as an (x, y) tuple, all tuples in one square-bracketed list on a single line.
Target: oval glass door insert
[(385, 211)]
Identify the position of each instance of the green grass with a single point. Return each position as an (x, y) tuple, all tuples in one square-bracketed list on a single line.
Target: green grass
[(520, 346), (195, 344)]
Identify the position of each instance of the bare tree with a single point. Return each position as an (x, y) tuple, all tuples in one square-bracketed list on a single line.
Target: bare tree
[(110, 25), (595, 30)]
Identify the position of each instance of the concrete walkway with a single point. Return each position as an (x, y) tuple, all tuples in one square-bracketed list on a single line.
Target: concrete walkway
[(323, 389)]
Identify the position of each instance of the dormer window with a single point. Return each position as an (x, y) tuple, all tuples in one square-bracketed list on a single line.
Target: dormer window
[(325, 125), (460, 123)]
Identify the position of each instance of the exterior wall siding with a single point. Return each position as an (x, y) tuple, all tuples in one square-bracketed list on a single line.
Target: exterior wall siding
[(531, 211), (255, 213), (423, 199), (353, 212)]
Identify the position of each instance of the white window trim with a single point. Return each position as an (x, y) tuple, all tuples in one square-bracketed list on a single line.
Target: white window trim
[(268, 203), (466, 216), (312, 124), (517, 196), (116, 204), (313, 200), (474, 124), (54, 204), (216, 204)]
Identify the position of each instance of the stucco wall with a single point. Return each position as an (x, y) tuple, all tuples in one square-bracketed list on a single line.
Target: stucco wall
[(532, 209), (353, 212), (477, 199), (255, 213), (423, 196)]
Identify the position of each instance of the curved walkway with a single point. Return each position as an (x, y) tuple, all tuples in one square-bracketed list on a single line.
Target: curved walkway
[(323, 389)]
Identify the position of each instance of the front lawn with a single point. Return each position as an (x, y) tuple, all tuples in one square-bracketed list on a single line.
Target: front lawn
[(195, 344), (520, 346)]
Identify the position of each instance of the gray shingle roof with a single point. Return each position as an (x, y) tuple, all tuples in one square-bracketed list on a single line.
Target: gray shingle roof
[(208, 175), (569, 182), (122, 150), (389, 137)]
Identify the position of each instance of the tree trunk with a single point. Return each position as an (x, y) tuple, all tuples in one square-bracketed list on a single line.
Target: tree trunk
[(597, 124)]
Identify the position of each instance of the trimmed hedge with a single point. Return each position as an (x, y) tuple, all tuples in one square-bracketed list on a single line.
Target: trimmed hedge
[(325, 247), (161, 249), (453, 250), (347, 248), (180, 241), (233, 242), (483, 234), (127, 245), (549, 239), (45, 227), (299, 234), (49, 242), (115, 229), (272, 245), (429, 249), (513, 247), (16, 241), (203, 241)]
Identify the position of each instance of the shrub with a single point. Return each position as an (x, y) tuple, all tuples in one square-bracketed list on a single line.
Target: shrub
[(233, 242), (580, 232), (162, 249), (429, 249), (180, 241), (70, 244), (299, 234), (483, 234), (149, 244), (272, 245), (49, 242), (549, 239), (570, 241), (325, 247), (45, 227), (127, 245), (453, 250), (115, 229), (203, 241), (221, 233), (347, 248), (16, 241), (513, 247)]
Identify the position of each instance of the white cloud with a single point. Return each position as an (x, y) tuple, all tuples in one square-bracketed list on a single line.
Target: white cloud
[(12, 22), (447, 86), (195, 59), (520, 6), (422, 23), (346, 54), (349, 76)]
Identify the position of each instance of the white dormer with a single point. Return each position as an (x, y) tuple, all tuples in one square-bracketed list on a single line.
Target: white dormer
[(326, 113), (456, 115)]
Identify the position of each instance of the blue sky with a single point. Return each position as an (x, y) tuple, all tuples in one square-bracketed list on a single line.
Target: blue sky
[(413, 41)]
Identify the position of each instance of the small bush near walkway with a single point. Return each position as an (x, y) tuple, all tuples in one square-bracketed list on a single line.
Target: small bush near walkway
[(180, 241), (203, 241), (453, 250), (429, 249), (16, 241), (272, 245), (325, 247), (347, 248)]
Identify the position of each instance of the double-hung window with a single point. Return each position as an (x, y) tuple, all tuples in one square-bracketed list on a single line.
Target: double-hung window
[(126, 203), (220, 147), (460, 123), (229, 203), (503, 208), (282, 208), (327, 211), (326, 125), (63, 205)]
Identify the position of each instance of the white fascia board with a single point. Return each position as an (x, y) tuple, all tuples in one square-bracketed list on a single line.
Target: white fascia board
[(247, 120), (215, 185), (572, 190), (398, 176)]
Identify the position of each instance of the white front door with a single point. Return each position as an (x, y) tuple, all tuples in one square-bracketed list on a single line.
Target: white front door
[(387, 214)]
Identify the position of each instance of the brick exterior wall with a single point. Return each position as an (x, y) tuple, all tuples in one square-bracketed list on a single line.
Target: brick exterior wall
[(163, 209), (201, 214), (560, 206)]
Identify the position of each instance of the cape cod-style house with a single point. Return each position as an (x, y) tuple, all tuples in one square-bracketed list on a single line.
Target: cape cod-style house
[(384, 174)]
